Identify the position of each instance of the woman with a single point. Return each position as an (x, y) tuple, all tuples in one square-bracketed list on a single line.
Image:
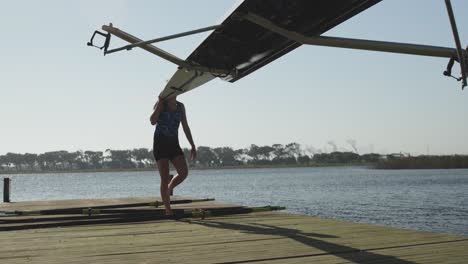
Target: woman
[(167, 116)]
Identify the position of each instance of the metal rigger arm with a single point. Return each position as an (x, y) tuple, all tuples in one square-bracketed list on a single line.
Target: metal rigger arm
[(146, 45)]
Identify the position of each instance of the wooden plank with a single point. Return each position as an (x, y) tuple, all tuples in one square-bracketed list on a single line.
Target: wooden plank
[(80, 203)]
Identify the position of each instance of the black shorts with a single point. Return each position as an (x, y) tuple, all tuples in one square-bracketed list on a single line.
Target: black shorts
[(166, 148)]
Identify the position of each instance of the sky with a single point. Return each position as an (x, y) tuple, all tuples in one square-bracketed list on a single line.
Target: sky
[(58, 94)]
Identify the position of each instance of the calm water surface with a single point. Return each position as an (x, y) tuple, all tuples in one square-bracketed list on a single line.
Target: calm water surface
[(428, 200)]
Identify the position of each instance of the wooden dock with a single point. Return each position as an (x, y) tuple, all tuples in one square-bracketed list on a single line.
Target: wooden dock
[(134, 231)]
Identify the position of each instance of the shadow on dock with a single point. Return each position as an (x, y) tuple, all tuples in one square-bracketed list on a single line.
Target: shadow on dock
[(309, 239)]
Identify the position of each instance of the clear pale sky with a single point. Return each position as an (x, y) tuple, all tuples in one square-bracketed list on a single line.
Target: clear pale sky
[(58, 94)]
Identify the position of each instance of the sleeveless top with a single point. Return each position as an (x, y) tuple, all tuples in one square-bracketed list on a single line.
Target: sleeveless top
[(168, 122)]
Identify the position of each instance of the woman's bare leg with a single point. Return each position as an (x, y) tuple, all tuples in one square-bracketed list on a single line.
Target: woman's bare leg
[(182, 171), (163, 166)]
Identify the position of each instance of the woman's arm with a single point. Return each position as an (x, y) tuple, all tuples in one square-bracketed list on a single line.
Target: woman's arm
[(188, 133), (156, 110)]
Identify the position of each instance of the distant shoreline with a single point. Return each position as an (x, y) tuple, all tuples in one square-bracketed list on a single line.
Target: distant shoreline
[(220, 158), (371, 166), (193, 168)]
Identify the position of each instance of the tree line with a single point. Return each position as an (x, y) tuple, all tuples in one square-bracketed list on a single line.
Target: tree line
[(291, 154), (277, 154)]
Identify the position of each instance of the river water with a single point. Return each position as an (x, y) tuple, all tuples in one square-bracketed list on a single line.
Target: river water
[(426, 200)]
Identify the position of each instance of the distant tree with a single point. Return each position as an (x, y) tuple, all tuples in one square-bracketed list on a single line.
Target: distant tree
[(242, 156), (260, 155), (72, 160), (279, 151), (30, 160), (254, 153), (226, 156), (265, 153), (94, 159), (120, 159), (15, 159), (293, 150), (52, 160), (286, 154), (304, 159), (321, 158), (206, 157), (5, 161), (41, 160)]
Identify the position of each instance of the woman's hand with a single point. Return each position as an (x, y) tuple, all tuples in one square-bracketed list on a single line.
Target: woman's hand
[(158, 105), (193, 153)]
